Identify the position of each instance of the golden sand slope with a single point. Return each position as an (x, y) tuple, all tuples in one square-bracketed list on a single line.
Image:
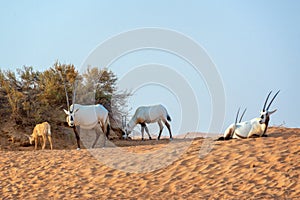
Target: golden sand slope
[(260, 168)]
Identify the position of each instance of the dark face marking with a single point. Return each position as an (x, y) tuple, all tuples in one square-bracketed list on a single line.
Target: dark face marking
[(265, 118), (262, 119), (71, 119)]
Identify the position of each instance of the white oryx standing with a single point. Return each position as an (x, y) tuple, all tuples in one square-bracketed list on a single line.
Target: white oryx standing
[(149, 114), (87, 117), (254, 127)]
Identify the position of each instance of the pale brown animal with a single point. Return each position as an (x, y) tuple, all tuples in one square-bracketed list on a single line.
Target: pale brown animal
[(41, 130)]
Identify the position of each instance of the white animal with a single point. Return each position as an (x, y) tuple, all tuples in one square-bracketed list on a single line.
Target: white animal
[(87, 117), (149, 114), (231, 128), (255, 127), (41, 130)]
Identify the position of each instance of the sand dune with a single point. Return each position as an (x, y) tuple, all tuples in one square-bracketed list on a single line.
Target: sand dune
[(259, 168)]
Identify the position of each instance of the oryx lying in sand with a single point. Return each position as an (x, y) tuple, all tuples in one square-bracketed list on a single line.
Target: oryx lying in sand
[(87, 117), (41, 130), (255, 127), (149, 114), (232, 127)]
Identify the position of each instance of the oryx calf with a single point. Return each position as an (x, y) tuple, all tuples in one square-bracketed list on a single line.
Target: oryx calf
[(41, 130), (254, 127), (149, 114)]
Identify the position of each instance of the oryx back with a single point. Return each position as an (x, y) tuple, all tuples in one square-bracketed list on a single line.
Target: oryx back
[(241, 130), (41, 129), (150, 114), (88, 116), (249, 128)]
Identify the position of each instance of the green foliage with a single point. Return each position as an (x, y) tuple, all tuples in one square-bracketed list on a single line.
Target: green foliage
[(35, 96), (12, 88), (100, 84)]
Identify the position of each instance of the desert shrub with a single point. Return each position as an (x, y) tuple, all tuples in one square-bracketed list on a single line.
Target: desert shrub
[(35, 96)]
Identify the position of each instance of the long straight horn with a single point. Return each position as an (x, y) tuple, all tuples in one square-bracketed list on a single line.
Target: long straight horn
[(234, 127), (74, 94), (67, 98), (272, 100), (237, 115), (242, 115), (266, 102)]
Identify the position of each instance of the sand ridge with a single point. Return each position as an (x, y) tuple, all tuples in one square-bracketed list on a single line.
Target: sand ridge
[(258, 168)]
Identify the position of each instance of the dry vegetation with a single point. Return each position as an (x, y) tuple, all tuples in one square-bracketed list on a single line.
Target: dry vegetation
[(29, 97)]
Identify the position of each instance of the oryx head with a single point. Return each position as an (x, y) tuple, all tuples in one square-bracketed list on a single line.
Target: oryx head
[(31, 139), (126, 131), (70, 112), (125, 127), (71, 115), (265, 113)]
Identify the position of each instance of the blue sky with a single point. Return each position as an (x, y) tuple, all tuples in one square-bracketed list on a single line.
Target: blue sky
[(255, 46)]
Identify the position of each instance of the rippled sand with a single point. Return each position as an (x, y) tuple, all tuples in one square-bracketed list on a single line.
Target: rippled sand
[(258, 168)]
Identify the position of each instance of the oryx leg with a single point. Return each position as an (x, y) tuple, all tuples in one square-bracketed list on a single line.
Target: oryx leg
[(107, 131), (50, 141), (252, 134), (103, 127), (265, 132), (97, 131), (169, 129), (77, 135), (44, 141), (147, 130), (161, 127), (35, 143), (107, 127), (229, 134), (142, 130)]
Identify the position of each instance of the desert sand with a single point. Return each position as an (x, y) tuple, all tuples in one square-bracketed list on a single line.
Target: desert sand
[(256, 168)]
